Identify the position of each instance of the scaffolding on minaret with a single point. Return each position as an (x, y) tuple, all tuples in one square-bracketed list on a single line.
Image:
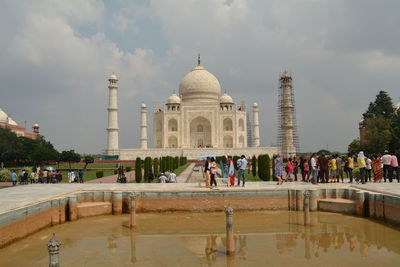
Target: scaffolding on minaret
[(249, 130), (288, 141)]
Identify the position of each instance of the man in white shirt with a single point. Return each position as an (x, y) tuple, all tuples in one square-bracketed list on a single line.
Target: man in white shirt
[(242, 165), (314, 169), (386, 161)]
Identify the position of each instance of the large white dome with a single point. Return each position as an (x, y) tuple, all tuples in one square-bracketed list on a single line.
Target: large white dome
[(199, 85)]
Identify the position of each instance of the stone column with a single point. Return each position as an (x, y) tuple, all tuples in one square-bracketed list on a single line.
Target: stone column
[(143, 127), (117, 203), (112, 129), (256, 126), (306, 207), (72, 208), (54, 249), (133, 211), (230, 242)]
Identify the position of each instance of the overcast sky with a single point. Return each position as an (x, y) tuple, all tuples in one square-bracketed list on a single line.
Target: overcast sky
[(56, 56)]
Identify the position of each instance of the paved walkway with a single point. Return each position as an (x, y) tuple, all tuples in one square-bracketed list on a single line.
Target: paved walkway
[(184, 176), (20, 196), (130, 177)]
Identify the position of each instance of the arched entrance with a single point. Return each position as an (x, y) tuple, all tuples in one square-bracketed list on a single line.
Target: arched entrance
[(200, 132)]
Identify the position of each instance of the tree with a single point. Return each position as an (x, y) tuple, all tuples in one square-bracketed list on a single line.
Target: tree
[(262, 167), (70, 156), (88, 159), (11, 149), (176, 163), (382, 106), (147, 168), (354, 147), (156, 167), (138, 170), (254, 165), (378, 134), (268, 168)]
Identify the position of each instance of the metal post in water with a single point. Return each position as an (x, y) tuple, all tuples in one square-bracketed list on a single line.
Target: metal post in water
[(230, 242), (306, 207), (133, 210), (54, 249)]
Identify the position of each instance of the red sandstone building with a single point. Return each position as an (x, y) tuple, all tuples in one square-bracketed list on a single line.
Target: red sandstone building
[(7, 122)]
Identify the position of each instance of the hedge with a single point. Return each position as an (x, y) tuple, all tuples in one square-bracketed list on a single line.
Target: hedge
[(138, 170), (99, 174), (254, 166)]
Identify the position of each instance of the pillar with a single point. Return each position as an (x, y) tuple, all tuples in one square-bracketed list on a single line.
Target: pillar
[(143, 127), (306, 207), (116, 203), (72, 208), (230, 242), (256, 126), (112, 128), (53, 247), (133, 211)]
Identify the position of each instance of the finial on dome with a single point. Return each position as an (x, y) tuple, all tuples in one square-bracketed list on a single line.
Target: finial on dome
[(198, 59)]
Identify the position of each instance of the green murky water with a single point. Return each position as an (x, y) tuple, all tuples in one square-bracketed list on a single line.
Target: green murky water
[(198, 239)]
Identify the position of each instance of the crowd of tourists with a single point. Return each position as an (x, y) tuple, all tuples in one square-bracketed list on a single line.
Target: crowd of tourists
[(40, 175), (334, 168), (228, 169)]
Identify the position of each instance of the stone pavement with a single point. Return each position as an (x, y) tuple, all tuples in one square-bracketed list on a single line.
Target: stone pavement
[(20, 196), (130, 177)]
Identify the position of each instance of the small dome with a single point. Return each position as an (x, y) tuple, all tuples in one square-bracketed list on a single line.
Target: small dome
[(113, 77), (143, 105), (36, 125), (255, 104), (199, 85), (226, 99), (173, 99)]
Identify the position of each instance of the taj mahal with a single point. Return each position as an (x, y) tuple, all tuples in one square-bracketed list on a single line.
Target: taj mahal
[(199, 120)]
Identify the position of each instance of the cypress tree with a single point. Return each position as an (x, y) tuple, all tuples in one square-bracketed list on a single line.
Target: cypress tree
[(268, 168), (156, 167), (262, 167), (138, 170), (254, 166), (176, 162), (147, 168)]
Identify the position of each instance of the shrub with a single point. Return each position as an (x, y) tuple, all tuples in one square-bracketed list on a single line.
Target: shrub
[(147, 168), (176, 163), (138, 170), (254, 166), (262, 167), (5, 175), (181, 161), (115, 171), (128, 168), (156, 167), (99, 174), (268, 168)]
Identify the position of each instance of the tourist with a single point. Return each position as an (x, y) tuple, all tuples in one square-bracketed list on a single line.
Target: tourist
[(32, 177), (46, 176), (387, 166), (40, 176), (314, 169), (302, 160), (339, 166), (289, 170), (150, 176), (58, 176), (172, 178), (323, 168), (14, 178), (296, 167), (25, 176), (71, 176), (368, 169), (207, 172), (231, 171), (377, 168), (80, 175), (213, 172), (395, 168), (163, 179), (242, 165), (333, 169), (54, 177), (306, 170), (224, 167), (361, 165), (278, 163), (350, 167), (36, 176)]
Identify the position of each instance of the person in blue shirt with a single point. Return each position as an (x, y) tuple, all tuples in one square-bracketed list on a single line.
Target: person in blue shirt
[(242, 165), (14, 178)]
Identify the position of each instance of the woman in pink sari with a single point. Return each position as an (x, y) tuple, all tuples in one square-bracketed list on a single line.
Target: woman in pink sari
[(231, 171)]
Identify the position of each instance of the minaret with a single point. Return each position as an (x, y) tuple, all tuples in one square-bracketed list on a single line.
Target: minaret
[(256, 126), (143, 127), (287, 128), (112, 129)]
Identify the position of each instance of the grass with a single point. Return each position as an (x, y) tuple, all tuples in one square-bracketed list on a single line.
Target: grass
[(87, 176), (180, 169)]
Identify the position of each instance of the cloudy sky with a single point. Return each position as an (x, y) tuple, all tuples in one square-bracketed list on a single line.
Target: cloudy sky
[(55, 57)]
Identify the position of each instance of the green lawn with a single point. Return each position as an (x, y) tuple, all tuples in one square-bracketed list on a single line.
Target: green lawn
[(180, 169), (87, 176)]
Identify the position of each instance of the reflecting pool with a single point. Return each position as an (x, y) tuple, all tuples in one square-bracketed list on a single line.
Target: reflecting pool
[(264, 238)]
